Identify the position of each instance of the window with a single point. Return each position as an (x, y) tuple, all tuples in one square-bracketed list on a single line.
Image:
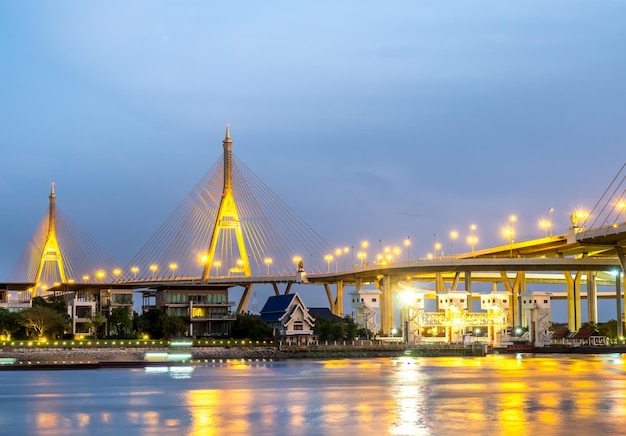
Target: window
[(298, 325), (122, 299), (373, 300)]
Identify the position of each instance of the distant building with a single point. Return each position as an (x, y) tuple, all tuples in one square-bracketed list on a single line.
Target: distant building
[(290, 319), (207, 306), (366, 303)]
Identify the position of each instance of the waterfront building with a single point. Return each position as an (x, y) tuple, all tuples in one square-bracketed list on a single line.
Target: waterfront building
[(536, 318), (207, 306), (290, 319), (366, 303)]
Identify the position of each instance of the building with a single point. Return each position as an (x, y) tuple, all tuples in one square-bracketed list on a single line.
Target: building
[(366, 303), (206, 306), (290, 319)]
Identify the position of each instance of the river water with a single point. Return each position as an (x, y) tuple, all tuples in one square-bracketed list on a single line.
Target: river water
[(492, 395)]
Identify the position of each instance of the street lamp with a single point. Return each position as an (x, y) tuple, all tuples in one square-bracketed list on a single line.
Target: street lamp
[(407, 244), (173, 267), (134, 270), (453, 235), (346, 250), (85, 278), (396, 251), (154, 269), (622, 205), (338, 253), (296, 260), (437, 247), (361, 255), (268, 262), (508, 232), (328, 258), (116, 273), (544, 225), (550, 219), (100, 274)]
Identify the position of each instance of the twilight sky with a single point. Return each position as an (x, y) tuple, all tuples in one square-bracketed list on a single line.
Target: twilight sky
[(372, 120)]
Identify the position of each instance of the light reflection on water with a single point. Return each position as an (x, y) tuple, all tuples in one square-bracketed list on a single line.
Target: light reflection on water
[(492, 395)]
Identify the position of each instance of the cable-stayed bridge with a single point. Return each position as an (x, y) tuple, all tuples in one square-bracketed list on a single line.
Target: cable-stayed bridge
[(232, 230)]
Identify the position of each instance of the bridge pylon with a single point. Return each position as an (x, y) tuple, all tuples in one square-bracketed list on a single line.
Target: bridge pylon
[(226, 222), (51, 252)]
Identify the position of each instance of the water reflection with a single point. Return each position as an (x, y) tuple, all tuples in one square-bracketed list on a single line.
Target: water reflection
[(492, 395)]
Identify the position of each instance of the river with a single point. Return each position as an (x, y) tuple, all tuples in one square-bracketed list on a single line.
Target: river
[(492, 395)]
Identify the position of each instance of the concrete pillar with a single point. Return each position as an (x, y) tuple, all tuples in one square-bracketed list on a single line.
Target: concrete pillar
[(574, 321), (592, 297), (339, 299), (468, 288), (386, 303), (618, 306), (520, 281)]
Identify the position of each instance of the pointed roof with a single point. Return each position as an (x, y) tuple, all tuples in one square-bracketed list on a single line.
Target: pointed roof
[(276, 306)]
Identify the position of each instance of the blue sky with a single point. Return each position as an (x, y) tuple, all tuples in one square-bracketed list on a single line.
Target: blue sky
[(371, 120)]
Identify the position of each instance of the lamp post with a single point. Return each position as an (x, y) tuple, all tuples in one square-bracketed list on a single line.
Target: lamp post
[(544, 225), (154, 269), (453, 235), (472, 239), (361, 255), (550, 219), (346, 250), (268, 262), (622, 205), (328, 258), (296, 260), (134, 270), (337, 254), (173, 267), (116, 273), (407, 244)]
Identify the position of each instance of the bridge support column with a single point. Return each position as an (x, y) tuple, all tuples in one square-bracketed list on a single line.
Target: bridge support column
[(618, 306), (592, 297), (386, 306), (245, 297), (339, 299), (331, 300), (468, 289), (574, 321), (515, 308)]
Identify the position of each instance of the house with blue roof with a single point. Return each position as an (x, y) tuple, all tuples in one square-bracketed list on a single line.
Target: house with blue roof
[(290, 318)]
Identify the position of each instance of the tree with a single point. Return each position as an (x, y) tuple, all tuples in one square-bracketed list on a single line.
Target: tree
[(120, 322), (96, 319), (248, 326), (43, 321), (351, 328), (329, 330), (172, 326), (8, 323)]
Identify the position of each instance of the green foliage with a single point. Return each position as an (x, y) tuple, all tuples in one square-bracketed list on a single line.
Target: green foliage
[(248, 326), (330, 330), (121, 322), (158, 324), (608, 329), (351, 328), (96, 320), (8, 323), (44, 322), (54, 302)]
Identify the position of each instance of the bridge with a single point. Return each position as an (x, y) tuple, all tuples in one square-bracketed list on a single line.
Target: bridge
[(231, 230)]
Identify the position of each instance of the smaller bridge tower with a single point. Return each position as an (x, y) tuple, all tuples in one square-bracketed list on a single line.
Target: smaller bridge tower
[(227, 221), (51, 251)]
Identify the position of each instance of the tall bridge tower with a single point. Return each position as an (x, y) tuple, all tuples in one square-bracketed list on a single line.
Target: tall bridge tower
[(227, 220), (51, 251)]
